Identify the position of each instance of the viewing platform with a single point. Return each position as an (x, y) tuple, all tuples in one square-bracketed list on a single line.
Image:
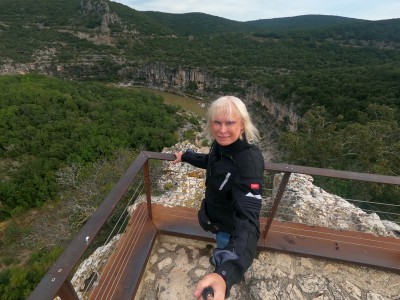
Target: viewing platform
[(123, 272)]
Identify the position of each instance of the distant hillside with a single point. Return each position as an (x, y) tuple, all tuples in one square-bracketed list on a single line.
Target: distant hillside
[(73, 14), (204, 24), (107, 41), (385, 30), (196, 23), (303, 22)]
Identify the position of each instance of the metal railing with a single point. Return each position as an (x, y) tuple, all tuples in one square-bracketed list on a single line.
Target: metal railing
[(57, 283)]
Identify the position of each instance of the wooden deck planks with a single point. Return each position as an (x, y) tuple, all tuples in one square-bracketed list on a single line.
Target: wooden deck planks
[(121, 277)]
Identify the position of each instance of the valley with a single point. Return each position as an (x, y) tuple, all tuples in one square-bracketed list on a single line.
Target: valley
[(323, 90)]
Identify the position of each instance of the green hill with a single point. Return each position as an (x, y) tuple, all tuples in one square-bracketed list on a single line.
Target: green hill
[(303, 22), (196, 23)]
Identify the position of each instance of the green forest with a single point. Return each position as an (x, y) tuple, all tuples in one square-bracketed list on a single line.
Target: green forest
[(371, 144), (47, 122), (340, 74), (48, 125)]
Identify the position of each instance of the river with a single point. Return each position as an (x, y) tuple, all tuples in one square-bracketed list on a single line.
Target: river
[(188, 103)]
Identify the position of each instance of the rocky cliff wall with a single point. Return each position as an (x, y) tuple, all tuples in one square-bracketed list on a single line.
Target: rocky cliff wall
[(283, 114), (158, 75), (102, 9), (180, 78)]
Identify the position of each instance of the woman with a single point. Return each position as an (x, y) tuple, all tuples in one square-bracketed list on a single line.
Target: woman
[(231, 207)]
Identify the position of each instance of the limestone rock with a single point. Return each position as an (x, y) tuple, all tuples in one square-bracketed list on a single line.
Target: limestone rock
[(303, 202), (89, 271)]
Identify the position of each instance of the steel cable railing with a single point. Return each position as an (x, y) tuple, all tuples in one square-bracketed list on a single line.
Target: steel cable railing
[(117, 230), (284, 215), (285, 211), (123, 253)]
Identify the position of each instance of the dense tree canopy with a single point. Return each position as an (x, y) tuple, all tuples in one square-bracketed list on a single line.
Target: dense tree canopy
[(46, 122), (370, 144)]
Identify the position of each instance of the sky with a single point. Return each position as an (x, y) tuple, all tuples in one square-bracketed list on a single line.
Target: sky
[(249, 10)]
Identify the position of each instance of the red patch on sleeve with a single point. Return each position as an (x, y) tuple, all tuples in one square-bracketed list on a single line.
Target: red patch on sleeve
[(255, 186)]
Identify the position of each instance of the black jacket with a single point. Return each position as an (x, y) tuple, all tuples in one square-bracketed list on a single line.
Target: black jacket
[(232, 203)]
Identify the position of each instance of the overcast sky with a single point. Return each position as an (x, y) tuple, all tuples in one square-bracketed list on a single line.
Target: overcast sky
[(248, 10)]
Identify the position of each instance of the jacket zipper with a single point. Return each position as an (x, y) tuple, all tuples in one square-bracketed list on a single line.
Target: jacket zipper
[(225, 181)]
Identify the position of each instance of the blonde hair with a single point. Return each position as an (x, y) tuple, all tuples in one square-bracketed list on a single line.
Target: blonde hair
[(227, 106)]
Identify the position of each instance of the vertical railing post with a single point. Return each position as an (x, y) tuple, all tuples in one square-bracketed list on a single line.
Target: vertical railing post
[(67, 291), (148, 191), (277, 200)]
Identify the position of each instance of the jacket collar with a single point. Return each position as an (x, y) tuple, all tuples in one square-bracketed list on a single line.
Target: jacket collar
[(234, 147)]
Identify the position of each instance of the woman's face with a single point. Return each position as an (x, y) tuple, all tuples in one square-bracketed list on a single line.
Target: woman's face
[(226, 130)]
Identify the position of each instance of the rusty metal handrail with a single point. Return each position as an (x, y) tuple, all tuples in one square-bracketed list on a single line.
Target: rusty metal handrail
[(56, 277), (56, 280), (289, 169), (279, 195), (333, 173)]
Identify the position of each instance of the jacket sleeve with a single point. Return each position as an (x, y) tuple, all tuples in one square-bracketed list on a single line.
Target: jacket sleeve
[(233, 261), (198, 160)]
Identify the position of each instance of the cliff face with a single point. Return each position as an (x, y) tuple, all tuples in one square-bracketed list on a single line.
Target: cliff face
[(271, 113), (95, 6), (281, 113), (102, 9), (158, 75)]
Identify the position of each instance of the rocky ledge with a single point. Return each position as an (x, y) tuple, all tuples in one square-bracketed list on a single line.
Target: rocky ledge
[(177, 264)]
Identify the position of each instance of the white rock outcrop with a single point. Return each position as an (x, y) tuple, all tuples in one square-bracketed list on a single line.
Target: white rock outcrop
[(87, 275), (305, 203)]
